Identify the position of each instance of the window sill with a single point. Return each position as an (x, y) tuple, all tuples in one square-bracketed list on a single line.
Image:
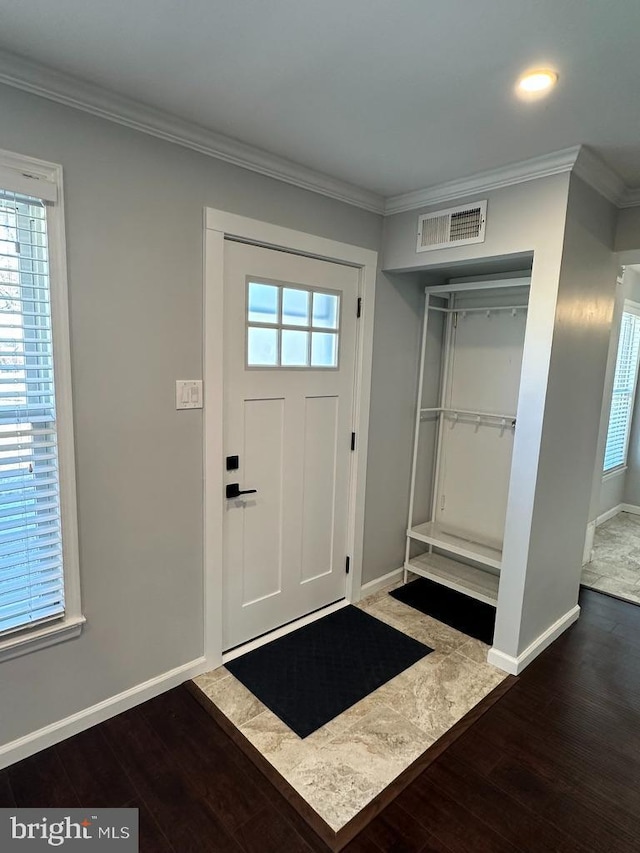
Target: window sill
[(614, 472), (48, 635)]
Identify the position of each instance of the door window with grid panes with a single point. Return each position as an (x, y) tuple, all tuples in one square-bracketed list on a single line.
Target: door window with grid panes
[(290, 326)]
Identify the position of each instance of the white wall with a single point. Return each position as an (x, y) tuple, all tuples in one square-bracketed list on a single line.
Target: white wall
[(134, 207)]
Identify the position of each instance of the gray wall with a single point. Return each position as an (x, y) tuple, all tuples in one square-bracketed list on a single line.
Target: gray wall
[(612, 489), (391, 432), (628, 234), (398, 325), (584, 311), (134, 233), (520, 219)]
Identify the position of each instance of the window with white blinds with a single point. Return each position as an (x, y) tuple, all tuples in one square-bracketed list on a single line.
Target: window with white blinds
[(31, 566), (624, 389)]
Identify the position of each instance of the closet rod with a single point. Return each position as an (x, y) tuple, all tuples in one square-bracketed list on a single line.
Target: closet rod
[(493, 415), (483, 310)]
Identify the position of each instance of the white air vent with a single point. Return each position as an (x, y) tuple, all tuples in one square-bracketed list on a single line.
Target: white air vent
[(457, 226)]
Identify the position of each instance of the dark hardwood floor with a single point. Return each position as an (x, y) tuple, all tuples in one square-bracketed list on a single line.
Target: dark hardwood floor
[(553, 766)]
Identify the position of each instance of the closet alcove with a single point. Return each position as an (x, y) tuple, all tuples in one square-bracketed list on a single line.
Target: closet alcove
[(465, 421)]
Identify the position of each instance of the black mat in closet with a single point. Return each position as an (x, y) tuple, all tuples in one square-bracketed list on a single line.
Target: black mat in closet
[(471, 617), (310, 676)]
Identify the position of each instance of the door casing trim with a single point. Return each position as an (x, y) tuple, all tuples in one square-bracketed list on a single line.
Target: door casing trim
[(218, 226)]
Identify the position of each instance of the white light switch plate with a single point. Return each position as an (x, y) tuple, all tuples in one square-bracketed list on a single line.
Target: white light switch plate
[(188, 393)]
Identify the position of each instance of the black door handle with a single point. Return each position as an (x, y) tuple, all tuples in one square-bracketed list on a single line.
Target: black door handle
[(234, 491)]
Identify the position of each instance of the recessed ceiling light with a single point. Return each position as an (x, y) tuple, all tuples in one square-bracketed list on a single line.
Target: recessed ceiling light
[(537, 83)]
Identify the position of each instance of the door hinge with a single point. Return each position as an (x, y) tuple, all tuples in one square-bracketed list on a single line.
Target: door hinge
[(359, 308), (353, 441), (347, 565), (442, 502)]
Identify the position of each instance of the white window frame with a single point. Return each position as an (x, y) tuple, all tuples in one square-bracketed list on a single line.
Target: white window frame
[(44, 180), (629, 307)]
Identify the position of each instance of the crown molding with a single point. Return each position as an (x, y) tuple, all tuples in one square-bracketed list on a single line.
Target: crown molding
[(593, 171), (631, 198), (39, 80), (517, 173), (579, 159), (21, 73)]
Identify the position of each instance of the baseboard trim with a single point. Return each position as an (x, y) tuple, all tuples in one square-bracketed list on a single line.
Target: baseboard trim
[(587, 553), (49, 735), (611, 513), (632, 508), (513, 665), (380, 583)]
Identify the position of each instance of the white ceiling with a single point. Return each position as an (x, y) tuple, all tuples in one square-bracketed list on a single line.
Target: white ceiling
[(390, 95)]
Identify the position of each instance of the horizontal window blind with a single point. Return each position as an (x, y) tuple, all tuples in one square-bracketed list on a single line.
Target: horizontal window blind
[(624, 385), (31, 572)]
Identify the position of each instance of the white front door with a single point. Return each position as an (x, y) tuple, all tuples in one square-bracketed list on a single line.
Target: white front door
[(290, 343)]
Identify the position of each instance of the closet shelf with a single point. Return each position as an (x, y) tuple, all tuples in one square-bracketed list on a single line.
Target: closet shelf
[(476, 583), (431, 534)]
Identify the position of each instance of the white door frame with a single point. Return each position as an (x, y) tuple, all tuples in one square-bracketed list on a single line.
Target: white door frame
[(219, 225)]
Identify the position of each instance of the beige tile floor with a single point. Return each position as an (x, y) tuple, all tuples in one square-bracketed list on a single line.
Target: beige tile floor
[(615, 567), (342, 766)]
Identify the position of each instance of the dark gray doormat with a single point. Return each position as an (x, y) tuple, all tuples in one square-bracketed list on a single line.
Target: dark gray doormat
[(465, 614), (315, 673)]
